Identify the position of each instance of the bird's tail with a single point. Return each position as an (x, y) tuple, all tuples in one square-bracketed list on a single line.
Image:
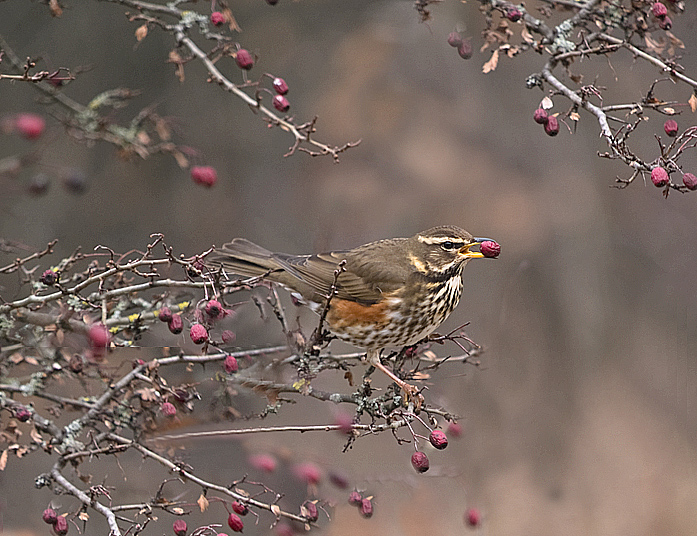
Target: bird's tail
[(245, 258)]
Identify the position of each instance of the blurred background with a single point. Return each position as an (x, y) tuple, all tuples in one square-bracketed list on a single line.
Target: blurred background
[(581, 419)]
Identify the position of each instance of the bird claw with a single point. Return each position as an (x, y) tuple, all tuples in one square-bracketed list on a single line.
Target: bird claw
[(412, 394)]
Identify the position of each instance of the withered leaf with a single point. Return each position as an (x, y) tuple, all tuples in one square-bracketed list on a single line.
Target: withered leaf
[(202, 502), (693, 103), (3, 460), (141, 32), (492, 63)]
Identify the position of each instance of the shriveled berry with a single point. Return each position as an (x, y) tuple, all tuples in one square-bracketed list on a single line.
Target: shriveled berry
[(214, 309), (75, 181), (204, 175), (659, 177), (230, 365), (671, 127), (490, 249), (438, 439), (355, 498), (49, 278), (99, 337), (39, 183), (340, 480), (665, 23), (308, 472), (473, 517), (281, 103), (552, 126), (309, 510), (514, 14), (198, 333), (235, 523), (540, 116), (30, 126), (164, 315), (176, 324), (217, 18), (464, 49), (454, 39), (280, 86), (690, 181), (658, 10), (168, 409), (420, 462), (179, 527), (61, 526), (22, 414), (240, 508), (244, 59), (228, 336), (49, 516), (367, 508)]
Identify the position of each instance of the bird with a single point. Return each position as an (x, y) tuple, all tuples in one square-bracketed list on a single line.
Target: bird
[(393, 292)]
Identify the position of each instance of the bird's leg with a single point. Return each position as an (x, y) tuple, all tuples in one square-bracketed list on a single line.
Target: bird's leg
[(411, 391)]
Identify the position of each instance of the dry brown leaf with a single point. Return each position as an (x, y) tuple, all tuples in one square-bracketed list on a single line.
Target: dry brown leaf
[(83, 516), (276, 510), (492, 63), (182, 162), (35, 436), (202, 503), (3, 460), (231, 19), (56, 9), (141, 32), (527, 36), (675, 41), (546, 103), (16, 358), (574, 116), (693, 103)]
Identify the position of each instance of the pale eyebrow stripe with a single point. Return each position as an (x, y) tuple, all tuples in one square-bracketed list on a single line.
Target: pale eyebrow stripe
[(440, 240)]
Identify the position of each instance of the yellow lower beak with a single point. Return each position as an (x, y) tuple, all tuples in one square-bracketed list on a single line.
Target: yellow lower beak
[(465, 251)]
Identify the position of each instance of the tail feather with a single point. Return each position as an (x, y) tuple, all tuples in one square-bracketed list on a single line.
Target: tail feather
[(245, 258)]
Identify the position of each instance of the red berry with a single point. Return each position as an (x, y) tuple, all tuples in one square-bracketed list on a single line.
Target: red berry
[(168, 409), (490, 249), (514, 14), (61, 526), (367, 508), (659, 10), (22, 414), (420, 461), (308, 472), (310, 512), (671, 127), (230, 365), (665, 23), (214, 310), (280, 86), (552, 126), (540, 116), (217, 18), (164, 315), (263, 462), (355, 498), (240, 508), (49, 516), (204, 175), (690, 181), (281, 103), (438, 439), (454, 39), (99, 337), (198, 333), (473, 517), (179, 527), (244, 59), (465, 49), (228, 336), (659, 177), (455, 430), (235, 523), (30, 126), (176, 324), (49, 278)]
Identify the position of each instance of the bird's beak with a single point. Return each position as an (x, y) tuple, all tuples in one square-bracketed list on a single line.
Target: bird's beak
[(465, 250)]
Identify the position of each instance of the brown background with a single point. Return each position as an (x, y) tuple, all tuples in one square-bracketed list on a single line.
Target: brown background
[(582, 418)]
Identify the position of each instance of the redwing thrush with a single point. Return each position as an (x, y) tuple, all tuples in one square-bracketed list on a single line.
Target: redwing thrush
[(392, 292)]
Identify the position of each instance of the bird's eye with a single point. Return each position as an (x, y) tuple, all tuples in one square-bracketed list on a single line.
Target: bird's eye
[(448, 245)]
